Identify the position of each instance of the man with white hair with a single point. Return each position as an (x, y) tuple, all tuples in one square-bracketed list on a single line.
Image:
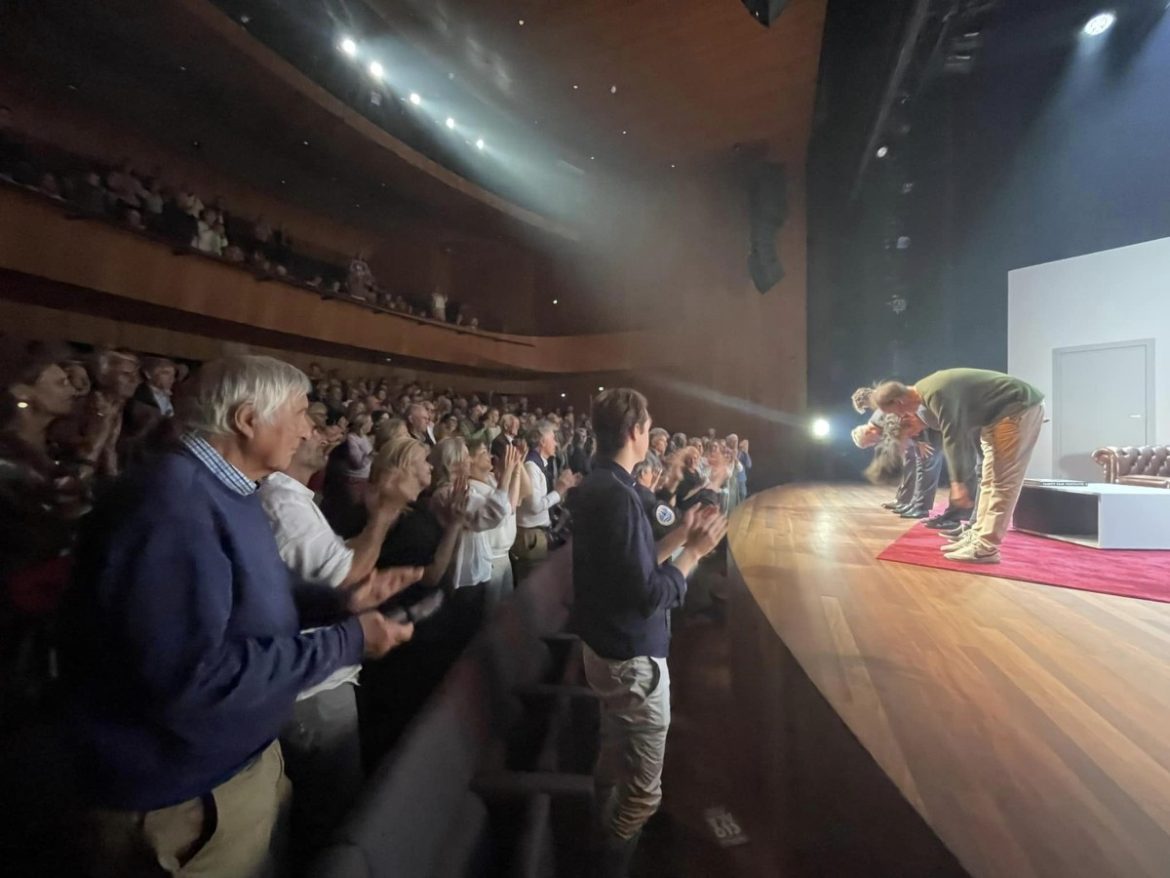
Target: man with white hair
[(184, 650), (532, 518)]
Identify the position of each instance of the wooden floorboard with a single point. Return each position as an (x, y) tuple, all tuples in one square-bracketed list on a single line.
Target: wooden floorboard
[(1026, 724)]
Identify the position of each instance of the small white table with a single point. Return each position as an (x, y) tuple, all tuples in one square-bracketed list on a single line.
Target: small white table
[(1101, 516)]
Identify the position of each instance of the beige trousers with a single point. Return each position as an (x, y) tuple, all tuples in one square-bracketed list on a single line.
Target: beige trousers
[(1007, 448), (635, 716), (235, 832)]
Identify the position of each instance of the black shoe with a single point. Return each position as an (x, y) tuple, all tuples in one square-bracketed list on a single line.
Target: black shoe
[(900, 508), (915, 513), (943, 521)]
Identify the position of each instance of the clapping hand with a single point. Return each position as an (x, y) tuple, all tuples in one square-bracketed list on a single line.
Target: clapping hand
[(380, 586), (454, 511), (566, 481), (382, 634), (705, 529)]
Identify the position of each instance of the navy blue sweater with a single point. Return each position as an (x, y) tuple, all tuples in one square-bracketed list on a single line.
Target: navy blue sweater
[(184, 648), (622, 595)]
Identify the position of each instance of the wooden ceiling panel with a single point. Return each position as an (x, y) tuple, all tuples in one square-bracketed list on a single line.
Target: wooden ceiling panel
[(693, 77)]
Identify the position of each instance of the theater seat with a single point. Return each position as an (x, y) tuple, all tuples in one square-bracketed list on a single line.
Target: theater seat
[(407, 822)]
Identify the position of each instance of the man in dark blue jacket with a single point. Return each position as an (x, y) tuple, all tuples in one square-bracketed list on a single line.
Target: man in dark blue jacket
[(624, 589), (185, 652)]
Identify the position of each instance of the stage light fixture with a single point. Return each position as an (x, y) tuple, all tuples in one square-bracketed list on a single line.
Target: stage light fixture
[(479, 144), (376, 70), (556, 301), (562, 396), (882, 152), (349, 47), (1099, 23), (415, 99), (450, 122), (821, 428), (600, 389)]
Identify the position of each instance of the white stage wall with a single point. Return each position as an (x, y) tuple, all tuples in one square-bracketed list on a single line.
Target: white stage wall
[(1112, 296)]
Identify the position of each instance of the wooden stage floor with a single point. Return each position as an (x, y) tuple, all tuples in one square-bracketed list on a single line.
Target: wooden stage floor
[(1027, 726)]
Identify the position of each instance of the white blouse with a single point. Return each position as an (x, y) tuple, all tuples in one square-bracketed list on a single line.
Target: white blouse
[(471, 564)]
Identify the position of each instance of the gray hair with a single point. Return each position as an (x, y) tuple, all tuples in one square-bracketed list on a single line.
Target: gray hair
[(538, 431), (211, 399), (652, 463)]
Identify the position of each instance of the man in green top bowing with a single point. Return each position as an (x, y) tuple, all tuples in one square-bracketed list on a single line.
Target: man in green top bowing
[(1008, 414)]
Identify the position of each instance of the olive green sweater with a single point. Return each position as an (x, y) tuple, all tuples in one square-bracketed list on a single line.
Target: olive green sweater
[(966, 400)]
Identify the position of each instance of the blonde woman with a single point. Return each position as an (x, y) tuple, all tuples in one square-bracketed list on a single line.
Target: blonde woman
[(388, 430), (488, 477), (471, 565)]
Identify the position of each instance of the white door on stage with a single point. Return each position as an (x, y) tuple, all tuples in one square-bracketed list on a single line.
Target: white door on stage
[(1102, 395)]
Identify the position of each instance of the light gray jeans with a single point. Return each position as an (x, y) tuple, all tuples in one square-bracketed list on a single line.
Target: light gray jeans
[(634, 697)]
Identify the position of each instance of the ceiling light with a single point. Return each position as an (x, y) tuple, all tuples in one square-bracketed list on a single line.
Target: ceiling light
[(376, 70), (600, 388), (479, 144), (613, 89), (520, 22), (349, 47), (882, 152), (450, 122), (562, 396), (672, 164), (591, 158), (556, 301), (821, 428), (305, 142), (623, 131), (575, 86), (1099, 23), (415, 99)]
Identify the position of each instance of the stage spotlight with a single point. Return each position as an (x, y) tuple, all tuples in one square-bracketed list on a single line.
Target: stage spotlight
[(415, 99), (600, 388), (376, 70), (479, 144), (821, 429), (882, 152), (349, 47), (450, 122), (1099, 23), (562, 396)]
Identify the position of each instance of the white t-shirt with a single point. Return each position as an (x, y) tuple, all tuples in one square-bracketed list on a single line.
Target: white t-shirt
[(501, 537), (471, 563), (310, 548)]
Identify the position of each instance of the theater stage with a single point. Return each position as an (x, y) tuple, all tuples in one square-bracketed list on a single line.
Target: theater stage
[(909, 721)]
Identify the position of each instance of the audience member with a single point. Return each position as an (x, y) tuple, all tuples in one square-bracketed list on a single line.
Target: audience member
[(321, 742), (178, 694)]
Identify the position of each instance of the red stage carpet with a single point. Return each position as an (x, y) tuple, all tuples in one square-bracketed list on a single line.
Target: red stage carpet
[(1049, 562)]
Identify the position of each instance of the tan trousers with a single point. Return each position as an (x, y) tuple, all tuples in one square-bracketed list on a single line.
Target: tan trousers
[(1007, 448), (635, 716), (235, 832)]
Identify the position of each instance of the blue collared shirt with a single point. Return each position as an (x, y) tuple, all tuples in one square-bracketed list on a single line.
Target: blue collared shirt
[(214, 461), (622, 595)]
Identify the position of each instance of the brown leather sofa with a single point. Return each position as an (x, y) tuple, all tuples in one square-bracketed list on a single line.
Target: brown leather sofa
[(1148, 465)]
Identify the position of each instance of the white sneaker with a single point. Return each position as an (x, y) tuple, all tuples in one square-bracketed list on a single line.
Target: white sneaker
[(973, 552), (956, 542)]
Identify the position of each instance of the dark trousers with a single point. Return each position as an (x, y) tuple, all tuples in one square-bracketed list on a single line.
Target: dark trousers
[(906, 486), (323, 758), (927, 470)]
